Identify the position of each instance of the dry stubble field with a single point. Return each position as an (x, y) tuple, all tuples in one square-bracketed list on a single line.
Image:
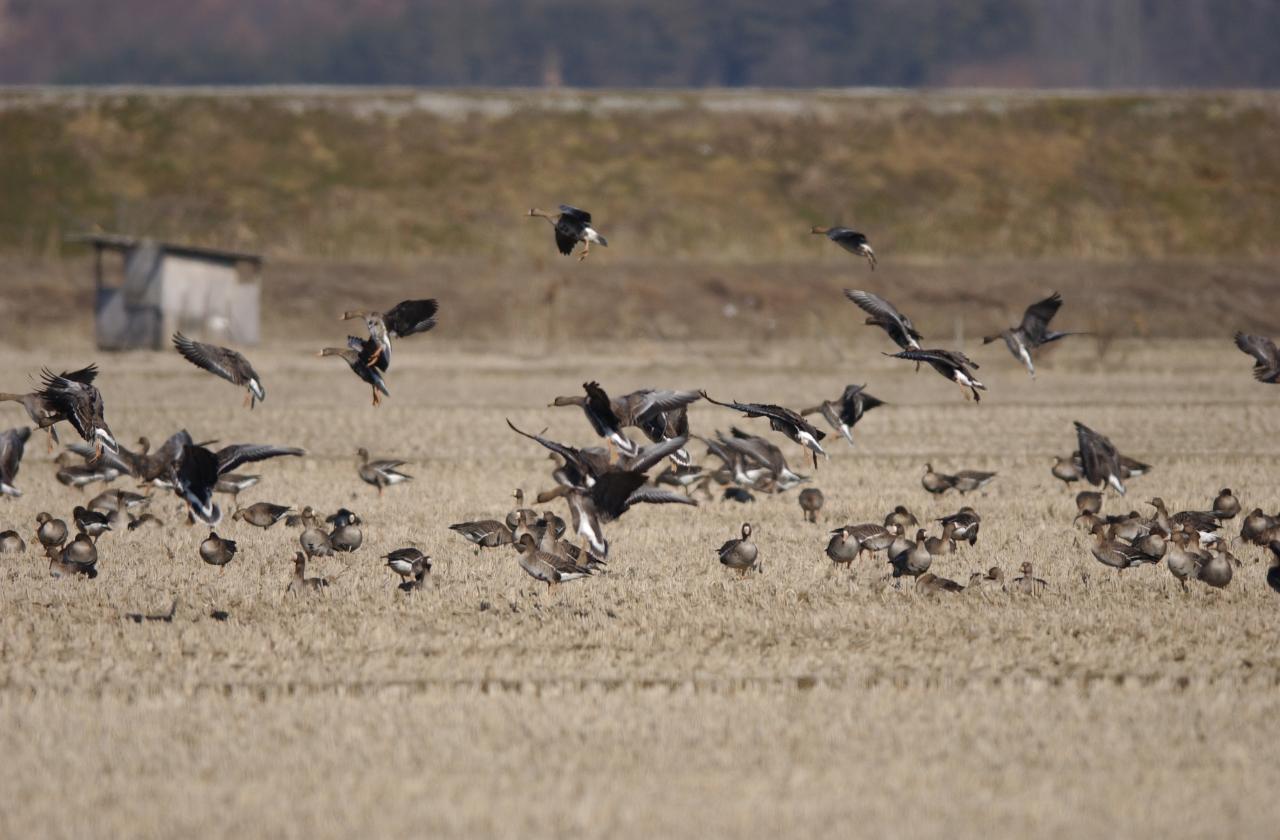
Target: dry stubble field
[(664, 698)]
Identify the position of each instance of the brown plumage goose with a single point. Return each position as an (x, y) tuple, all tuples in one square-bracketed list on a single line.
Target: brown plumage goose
[(1266, 359), (850, 240), (844, 412), (73, 398), (782, 420), (951, 364), (406, 318), (1033, 332), (12, 444), (362, 356), (741, 554), (884, 315), (222, 362), (1100, 458)]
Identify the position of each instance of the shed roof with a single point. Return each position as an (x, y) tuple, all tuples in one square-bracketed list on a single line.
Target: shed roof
[(121, 242)]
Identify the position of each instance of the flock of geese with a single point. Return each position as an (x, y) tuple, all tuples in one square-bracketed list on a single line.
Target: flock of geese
[(601, 482)]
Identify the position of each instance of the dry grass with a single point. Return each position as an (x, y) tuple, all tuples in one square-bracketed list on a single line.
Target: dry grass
[(664, 698)]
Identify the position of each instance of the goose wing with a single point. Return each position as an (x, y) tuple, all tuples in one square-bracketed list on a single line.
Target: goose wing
[(1264, 352), (220, 361), (230, 457), (411, 316), (1035, 321)]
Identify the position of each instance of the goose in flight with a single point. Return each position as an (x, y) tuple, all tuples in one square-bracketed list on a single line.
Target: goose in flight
[(72, 397), (1033, 331), (885, 316), (222, 362), (782, 420), (406, 318), (361, 355), (1266, 366), (952, 364), (844, 412), (572, 225), (850, 240), (1099, 458), (195, 473)]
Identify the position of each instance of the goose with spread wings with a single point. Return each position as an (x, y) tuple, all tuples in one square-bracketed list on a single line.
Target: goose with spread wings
[(406, 318), (73, 397), (601, 414), (1033, 331), (885, 315), (195, 472), (1266, 366), (952, 364), (572, 225), (599, 492), (1099, 458), (225, 363), (361, 355), (844, 412), (850, 240), (782, 420)]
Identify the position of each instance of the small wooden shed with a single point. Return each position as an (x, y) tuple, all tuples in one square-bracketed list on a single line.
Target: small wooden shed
[(158, 288)]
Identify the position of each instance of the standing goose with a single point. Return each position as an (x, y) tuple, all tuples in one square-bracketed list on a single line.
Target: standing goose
[(951, 364), (80, 557), (1266, 366), (12, 444), (741, 554), (811, 500), (51, 533), (1226, 505), (1029, 584), (1066, 470), (885, 316), (966, 481), (381, 473), (1273, 570), (225, 363), (364, 358), (346, 535), (1217, 570), (843, 548), (935, 482), (216, 551), (73, 398), (844, 412), (782, 420), (11, 543), (850, 240), (262, 514), (485, 533), (90, 522), (406, 318), (901, 517), (407, 562), (1099, 457), (548, 567), (1113, 553), (313, 539), (300, 584), (1033, 331), (915, 560), (572, 226), (964, 523)]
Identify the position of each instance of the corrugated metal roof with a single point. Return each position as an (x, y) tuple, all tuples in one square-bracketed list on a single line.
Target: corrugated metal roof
[(120, 242)]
